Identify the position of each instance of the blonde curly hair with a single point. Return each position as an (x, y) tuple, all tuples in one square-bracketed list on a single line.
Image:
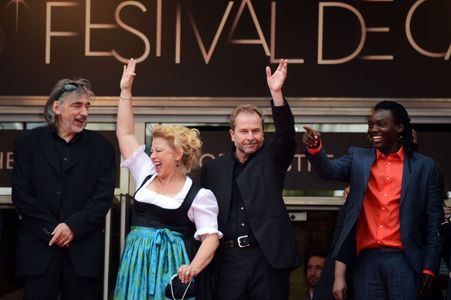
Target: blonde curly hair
[(182, 138)]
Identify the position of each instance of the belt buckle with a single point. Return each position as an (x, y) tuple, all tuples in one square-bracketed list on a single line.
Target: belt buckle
[(243, 241)]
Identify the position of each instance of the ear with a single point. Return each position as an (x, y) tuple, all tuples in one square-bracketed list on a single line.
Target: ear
[(400, 128), (232, 135), (56, 107), (178, 155)]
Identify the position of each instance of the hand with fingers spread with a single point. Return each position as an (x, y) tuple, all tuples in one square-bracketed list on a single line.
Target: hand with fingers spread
[(62, 235), (311, 138), (276, 80), (126, 83)]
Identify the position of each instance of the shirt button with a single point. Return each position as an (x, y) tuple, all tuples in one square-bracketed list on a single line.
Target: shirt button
[(388, 178), (388, 163), (379, 242), (65, 158), (242, 224), (242, 208), (385, 195), (381, 226)]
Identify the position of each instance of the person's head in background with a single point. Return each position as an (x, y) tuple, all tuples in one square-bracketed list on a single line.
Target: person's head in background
[(314, 264)]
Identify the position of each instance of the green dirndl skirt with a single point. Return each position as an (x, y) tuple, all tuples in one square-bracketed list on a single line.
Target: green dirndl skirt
[(151, 256)]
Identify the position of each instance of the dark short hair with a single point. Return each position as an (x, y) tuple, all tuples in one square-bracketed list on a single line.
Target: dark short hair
[(248, 108), (63, 88), (311, 253)]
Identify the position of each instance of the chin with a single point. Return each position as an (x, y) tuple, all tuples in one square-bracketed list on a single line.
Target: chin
[(377, 145), (78, 129)]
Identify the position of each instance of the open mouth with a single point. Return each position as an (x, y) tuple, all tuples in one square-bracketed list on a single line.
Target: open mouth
[(157, 167), (80, 122)]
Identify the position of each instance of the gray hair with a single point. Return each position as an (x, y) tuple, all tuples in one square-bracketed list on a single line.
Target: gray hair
[(61, 90)]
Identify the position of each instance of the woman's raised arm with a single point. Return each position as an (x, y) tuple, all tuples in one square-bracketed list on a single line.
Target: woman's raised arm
[(125, 130)]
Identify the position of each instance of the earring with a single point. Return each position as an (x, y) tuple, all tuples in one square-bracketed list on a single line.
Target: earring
[(177, 163)]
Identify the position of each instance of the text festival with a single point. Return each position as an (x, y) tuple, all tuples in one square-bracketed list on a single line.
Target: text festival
[(232, 11), (269, 47)]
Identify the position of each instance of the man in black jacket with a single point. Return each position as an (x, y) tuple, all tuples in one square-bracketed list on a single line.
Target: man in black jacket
[(63, 184), (258, 249)]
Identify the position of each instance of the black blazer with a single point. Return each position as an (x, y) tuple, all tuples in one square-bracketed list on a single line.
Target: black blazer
[(79, 195), (261, 183)]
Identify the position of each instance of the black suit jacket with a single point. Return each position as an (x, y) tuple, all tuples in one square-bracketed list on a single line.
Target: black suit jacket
[(261, 183), (80, 195)]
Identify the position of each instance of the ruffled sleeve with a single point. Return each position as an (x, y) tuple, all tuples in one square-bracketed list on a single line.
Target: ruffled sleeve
[(204, 213), (139, 164)]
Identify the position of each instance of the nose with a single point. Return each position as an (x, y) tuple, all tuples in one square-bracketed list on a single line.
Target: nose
[(84, 111), (373, 128)]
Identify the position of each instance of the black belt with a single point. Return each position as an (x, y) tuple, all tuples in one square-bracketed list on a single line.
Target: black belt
[(242, 241)]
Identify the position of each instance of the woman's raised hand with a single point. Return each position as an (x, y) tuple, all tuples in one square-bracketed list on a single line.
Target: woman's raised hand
[(127, 78)]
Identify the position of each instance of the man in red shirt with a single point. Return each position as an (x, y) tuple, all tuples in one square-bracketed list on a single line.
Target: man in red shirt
[(390, 228)]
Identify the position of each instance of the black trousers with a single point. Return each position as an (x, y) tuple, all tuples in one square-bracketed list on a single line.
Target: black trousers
[(245, 274), (60, 277)]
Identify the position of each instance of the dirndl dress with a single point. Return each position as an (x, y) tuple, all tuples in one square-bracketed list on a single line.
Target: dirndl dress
[(159, 242)]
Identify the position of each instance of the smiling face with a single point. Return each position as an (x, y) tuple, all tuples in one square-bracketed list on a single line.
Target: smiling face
[(247, 134), (164, 157), (71, 115), (384, 132)]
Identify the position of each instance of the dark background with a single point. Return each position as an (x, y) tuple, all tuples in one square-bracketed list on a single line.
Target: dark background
[(434, 141), (234, 70)]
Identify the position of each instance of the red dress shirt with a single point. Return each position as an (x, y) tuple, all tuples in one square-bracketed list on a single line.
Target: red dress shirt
[(378, 223)]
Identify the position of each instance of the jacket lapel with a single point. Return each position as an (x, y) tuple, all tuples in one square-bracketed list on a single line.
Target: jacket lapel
[(407, 175), (226, 191), (367, 163), (46, 144)]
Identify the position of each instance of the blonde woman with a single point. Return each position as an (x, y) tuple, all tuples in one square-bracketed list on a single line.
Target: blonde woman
[(169, 212)]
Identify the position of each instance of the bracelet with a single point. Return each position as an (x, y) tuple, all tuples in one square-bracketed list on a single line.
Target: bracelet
[(124, 99)]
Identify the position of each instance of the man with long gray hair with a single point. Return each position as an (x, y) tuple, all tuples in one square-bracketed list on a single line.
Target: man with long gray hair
[(63, 183)]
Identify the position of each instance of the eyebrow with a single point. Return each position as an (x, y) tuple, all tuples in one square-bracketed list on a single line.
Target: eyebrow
[(80, 102)]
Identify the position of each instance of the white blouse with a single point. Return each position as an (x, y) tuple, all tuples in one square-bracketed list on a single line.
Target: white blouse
[(204, 209)]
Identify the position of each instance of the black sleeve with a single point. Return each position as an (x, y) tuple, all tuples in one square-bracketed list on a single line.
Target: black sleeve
[(283, 145)]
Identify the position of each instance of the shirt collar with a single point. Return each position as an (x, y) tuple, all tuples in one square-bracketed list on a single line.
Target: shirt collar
[(54, 131), (399, 155)]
